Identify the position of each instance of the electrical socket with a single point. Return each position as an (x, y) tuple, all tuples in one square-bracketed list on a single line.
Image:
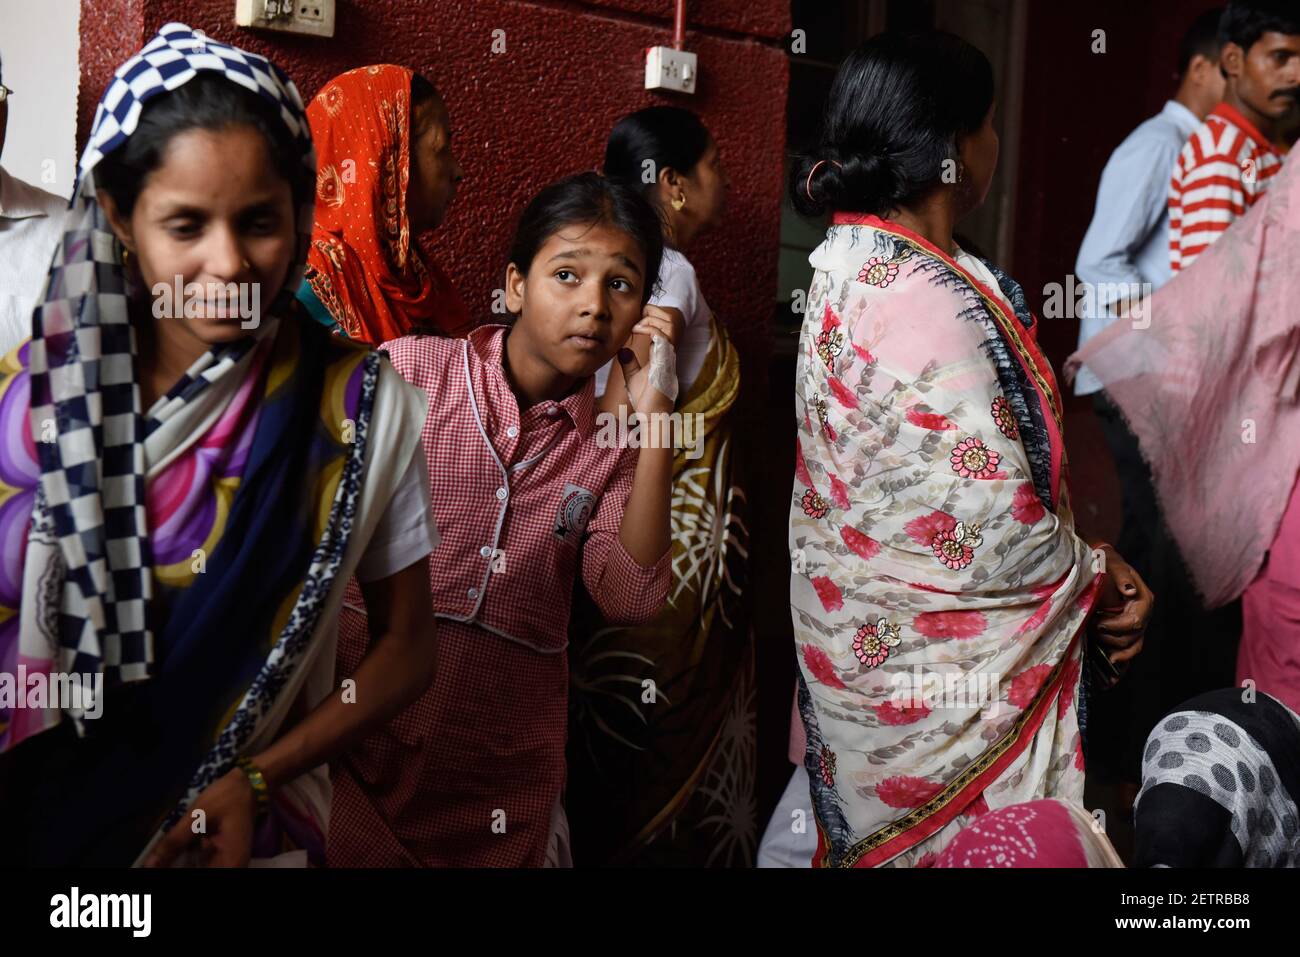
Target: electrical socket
[(312, 10), (310, 17), (669, 69)]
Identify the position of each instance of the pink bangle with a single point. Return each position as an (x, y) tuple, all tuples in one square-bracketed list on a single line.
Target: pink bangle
[(807, 186)]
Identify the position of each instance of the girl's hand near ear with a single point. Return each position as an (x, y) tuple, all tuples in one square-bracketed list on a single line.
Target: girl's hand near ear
[(639, 342), (665, 320), (651, 376)]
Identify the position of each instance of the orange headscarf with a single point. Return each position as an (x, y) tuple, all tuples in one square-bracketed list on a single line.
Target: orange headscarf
[(363, 265)]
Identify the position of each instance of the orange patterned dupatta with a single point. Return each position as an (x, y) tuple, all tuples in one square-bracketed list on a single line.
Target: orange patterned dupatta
[(364, 265)]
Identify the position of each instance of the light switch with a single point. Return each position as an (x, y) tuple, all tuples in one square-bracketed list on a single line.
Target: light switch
[(312, 17), (669, 69)]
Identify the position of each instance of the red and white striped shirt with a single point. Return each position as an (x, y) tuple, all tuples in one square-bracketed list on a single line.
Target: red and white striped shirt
[(1222, 171), (522, 499)]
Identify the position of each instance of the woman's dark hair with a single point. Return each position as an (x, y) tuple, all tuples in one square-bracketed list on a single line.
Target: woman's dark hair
[(897, 108), (589, 199), (207, 102), (668, 136), (1245, 21), (422, 92)]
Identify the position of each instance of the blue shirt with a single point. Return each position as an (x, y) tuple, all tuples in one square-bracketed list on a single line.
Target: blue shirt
[(1128, 240)]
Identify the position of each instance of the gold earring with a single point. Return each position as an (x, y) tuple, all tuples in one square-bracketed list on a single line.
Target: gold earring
[(679, 202), (126, 258)]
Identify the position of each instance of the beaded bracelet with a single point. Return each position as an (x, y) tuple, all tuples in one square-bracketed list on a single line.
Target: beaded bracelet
[(261, 793)]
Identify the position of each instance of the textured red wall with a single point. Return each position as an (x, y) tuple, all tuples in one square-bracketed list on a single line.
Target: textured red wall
[(539, 110), (110, 32)]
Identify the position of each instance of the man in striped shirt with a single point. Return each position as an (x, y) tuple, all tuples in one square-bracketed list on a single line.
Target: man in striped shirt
[(1226, 164)]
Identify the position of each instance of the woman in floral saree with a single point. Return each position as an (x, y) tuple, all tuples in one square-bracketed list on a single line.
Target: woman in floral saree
[(187, 486), (938, 589)]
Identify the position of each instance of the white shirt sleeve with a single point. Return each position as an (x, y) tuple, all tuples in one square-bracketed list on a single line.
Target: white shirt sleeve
[(677, 287), (406, 531), (1131, 201), (680, 289)]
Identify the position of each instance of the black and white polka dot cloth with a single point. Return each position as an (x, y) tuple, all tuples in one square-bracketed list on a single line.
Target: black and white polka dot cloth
[(1217, 766)]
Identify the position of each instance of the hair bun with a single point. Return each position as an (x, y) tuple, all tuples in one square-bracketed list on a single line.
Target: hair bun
[(861, 182), (898, 108)]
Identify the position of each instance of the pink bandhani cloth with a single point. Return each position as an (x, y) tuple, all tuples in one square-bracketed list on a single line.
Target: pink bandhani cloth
[(1209, 388), (1045, 833)]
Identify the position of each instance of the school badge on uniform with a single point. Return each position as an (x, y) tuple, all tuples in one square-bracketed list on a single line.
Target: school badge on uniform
[(575, 510)]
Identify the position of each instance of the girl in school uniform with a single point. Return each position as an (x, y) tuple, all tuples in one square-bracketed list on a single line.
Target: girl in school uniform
[(527, 496)]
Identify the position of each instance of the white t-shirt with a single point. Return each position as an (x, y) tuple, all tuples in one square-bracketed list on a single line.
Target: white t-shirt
[(678, 289), (31, 225), (406, 531)]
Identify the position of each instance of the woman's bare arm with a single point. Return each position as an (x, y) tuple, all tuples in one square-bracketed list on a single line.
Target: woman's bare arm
[(398, 667)]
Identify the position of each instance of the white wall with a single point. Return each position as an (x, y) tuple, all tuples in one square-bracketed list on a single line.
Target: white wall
[(39, 41)]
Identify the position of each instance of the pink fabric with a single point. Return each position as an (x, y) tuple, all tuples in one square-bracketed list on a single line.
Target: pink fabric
[(1269, 654), (1210, 389), (1034, 834), (525, 499), (485, 742)]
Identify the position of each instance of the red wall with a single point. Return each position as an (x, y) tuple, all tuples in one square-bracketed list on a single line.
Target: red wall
[(538, 111)]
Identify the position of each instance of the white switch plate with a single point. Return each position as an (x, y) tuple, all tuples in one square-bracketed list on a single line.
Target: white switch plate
[(312, 17), (668, 69)]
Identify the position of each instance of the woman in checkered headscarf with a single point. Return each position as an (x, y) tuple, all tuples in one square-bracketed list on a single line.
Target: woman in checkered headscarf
[(193, 471)]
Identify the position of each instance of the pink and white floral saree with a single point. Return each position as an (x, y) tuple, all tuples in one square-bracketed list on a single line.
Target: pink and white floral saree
[(938, 588)]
